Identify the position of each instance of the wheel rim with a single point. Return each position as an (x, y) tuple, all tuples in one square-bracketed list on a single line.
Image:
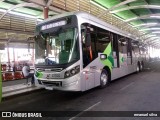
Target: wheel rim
[(104, 79)]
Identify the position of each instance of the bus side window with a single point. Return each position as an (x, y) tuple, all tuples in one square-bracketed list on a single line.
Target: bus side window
[(122, 45), (103, 40)]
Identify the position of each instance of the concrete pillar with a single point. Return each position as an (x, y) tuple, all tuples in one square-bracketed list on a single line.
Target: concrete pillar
[(8, 53), (0, 80)]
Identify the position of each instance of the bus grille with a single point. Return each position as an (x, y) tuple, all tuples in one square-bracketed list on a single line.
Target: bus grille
[(52, 69), (52, 83)]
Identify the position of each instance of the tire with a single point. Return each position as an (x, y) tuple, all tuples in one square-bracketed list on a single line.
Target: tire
[(104, 79)]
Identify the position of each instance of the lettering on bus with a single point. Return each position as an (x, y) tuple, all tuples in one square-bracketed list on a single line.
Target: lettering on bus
[(52, 25)]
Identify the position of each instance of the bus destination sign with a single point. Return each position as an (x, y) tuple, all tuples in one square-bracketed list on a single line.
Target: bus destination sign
[(52, 25)]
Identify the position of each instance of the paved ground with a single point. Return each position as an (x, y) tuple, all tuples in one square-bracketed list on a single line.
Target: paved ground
[(136, 92), (14, 82)]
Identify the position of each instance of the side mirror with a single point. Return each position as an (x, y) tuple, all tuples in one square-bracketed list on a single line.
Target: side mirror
[(103, 56)]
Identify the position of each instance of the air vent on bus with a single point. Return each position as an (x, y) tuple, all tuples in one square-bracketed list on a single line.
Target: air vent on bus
[(50, 69)]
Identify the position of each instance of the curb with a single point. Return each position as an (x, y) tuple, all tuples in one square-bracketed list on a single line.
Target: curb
[(12, 96)]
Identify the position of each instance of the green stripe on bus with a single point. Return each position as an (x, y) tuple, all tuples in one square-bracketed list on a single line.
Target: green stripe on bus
[(109, 61), (110, 58), (108, 49), (39, 74), (121, 58)]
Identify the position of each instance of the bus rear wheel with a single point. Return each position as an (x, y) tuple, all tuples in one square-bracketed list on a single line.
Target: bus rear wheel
[(104, 79)]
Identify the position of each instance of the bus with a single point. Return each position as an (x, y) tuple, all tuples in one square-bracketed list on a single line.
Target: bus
[(76, 51)]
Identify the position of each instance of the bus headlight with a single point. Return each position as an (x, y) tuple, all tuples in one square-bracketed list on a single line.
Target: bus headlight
[(67, 74), (72, 71)]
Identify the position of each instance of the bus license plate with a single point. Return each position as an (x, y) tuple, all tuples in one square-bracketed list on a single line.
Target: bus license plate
[(49, 88)]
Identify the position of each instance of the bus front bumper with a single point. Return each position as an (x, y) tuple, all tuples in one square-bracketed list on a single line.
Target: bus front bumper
[(68, 84)]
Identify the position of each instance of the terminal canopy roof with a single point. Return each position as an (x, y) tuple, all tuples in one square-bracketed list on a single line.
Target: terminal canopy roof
[(141, 18)]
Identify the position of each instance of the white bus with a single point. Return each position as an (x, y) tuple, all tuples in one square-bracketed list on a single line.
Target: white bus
[(76, 52)]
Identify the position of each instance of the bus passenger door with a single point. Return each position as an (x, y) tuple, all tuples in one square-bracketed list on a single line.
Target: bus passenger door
[(129, 52), (88, 69), (115, 50), (122, 45)]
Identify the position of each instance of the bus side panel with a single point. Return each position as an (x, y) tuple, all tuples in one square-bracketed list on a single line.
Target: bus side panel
[(122, 71)]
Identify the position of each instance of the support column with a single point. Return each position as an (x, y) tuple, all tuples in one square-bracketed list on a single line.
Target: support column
[(8, 55), (0, 81), (33, 55), (45, 12), (14, 55)]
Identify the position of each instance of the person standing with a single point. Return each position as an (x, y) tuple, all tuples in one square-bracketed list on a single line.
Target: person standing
[(27, 74), (13, 66)]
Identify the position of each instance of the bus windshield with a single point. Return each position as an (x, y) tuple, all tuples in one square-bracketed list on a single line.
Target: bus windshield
[(58, 47)]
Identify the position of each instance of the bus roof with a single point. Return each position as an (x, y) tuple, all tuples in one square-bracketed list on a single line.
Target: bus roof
[(92, 18)]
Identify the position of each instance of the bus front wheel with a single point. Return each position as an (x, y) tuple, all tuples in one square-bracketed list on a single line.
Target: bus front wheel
[(104, 79)]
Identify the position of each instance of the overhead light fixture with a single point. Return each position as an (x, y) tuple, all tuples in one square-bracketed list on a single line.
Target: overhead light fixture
[(156, 32), (145, 24), (151, 35), (153, 16), (137, 38), (150, 29), (131, 19), (2, 10), (154, 38)]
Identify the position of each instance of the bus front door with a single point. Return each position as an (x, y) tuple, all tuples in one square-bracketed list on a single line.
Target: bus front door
[(88, 69), (88, 78)]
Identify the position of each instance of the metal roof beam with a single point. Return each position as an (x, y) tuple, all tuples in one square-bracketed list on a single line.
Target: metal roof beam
[(155, 42), (145, 25), (15, 31), (157, 39), (136, 7), (49, 3), (145, 34), (43, 4), (146, 39), (157, 25), (151, 28), (116, 6), (1, 1), (149, 16), (152, 39), (16, 41), (17, 6)]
